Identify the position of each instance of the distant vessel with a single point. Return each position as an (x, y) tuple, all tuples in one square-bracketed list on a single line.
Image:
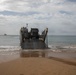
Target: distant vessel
[(5, 34), (32, 39)]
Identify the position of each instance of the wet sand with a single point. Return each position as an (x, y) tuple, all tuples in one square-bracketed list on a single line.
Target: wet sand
[(36, 66), (37, 63), (6, 56)]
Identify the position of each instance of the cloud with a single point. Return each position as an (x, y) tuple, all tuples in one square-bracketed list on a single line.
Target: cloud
[(8, 13), (58, 15), (71, 0), (66, 12)]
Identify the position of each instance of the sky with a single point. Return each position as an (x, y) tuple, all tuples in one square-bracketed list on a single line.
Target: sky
[(58, 15)]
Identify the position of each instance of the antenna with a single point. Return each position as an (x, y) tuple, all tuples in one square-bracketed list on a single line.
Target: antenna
[(26, 25)]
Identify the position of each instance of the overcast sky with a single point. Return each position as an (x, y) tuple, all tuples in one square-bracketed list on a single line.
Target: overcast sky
[(58, 15)]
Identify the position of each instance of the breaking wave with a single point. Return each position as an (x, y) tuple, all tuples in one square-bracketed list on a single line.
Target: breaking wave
[(10, 48), (70, 48)]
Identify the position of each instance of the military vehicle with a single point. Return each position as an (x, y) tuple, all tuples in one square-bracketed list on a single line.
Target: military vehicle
[(32, 39)]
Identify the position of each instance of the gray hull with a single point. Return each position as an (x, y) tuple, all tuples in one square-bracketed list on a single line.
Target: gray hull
[(33, 44)]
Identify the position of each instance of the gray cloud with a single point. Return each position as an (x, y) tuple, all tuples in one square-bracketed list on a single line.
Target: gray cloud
[(66, 12), (17, 13), (71, 0), (58, 15)]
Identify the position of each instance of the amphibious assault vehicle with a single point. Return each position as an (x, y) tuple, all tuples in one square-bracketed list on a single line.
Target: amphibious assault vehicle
[(32, 39)]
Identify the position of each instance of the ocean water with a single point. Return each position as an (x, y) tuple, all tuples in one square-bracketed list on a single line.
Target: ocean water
[(56, 43), (9, 42)]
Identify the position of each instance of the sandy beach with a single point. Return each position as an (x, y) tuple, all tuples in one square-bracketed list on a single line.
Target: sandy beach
[(37, 66)]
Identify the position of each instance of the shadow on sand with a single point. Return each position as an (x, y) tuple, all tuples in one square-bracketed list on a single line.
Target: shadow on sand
[(63, 61)]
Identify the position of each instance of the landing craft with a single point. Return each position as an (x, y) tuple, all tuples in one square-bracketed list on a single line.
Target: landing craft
[(32, 39)]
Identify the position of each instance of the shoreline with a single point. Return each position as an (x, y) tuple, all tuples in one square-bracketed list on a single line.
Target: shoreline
[(6, 56), (36, 63)]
